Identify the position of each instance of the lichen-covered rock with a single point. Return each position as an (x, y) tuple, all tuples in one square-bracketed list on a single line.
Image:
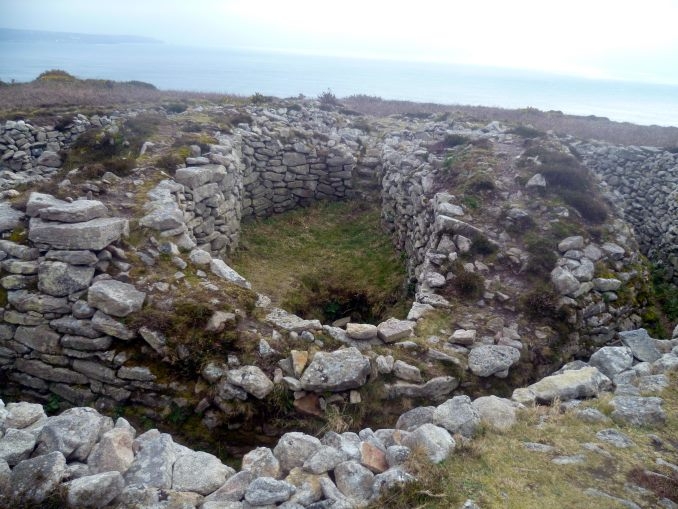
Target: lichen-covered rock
[(638, 411), (611, 360), (219, 268), (336, 371), (641, 344), (152, 466), (267, 491), (16, 446), (115, 297), (497, 413), (573, 384), (361, 331), (60, 279), (354, 480), (199, 472), (112, 452), (94, 491), (95, 234), (487, 360), (262, 463), (457, 415), (33, 480), (393, 330), (74, 212), (294, 448), (252, 379), (436, 442), (73, 433), (565, 282)]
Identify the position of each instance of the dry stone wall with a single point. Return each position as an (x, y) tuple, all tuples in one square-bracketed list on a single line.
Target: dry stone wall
[(643, 182)]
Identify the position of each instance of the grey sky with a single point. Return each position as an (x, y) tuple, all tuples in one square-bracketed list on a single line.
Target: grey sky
[(594, 38)]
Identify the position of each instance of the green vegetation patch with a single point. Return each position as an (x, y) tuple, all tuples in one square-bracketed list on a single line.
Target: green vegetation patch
[(328, 261)]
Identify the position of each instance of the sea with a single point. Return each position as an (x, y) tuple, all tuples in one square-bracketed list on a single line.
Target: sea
[(245, 72)]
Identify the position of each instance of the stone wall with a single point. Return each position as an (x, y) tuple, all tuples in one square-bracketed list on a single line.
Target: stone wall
[(29, 153), (643, 181)]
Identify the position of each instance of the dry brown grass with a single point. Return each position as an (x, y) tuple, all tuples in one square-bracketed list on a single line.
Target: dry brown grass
[(585, 127), (45, 99)]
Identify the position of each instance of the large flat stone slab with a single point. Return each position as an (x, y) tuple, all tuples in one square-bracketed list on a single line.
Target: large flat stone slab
[(95, 234), (75, 212), (115, 297)]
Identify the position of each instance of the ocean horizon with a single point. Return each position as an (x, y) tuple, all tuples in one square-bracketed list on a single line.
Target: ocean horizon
[(246, 72)]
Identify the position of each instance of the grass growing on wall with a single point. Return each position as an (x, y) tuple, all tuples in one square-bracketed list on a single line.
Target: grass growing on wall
[(326, 261)]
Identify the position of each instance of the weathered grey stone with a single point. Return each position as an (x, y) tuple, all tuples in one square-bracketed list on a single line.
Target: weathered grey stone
[(73, 433), (292, 323), (390, 479), (86, 344), (354, 480), (69, 325), (614, 437), (96, 371), (406, 371), (95, 234), (436, 442), (24, 301), (457, 415), (81, 257), (348, 443), (591, 415), (75, 212), (361, 330), (252, 379), (613, 251), (262, 463), (266, 490), (199, 472), (165, 216), (572, 384), (576, 242), (294, 448), (152, 466), (16, 446), (414, 418), (50, 159), (60, 279), (41, 338), (233, 489), (115, 297), (606, 285), (141, 373), (336, 371), (611, 360), (20, 267), (196, 176), (564, 281), (487, 360), (21, 415), (219, 268), (33, 480), (434, 389), (641, 344), (155, 339), (10, 218), (324, 460), (105, 324), (113, 452), (497, 413), (18, 250), (200, 257), (308, 489), (536, 181), (38, 201), (46, 372), (94, 490), (638, 411), (393, 330)]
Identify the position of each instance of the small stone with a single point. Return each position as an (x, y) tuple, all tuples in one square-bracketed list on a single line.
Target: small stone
[(361, 331), (266, 491), (394, 330)]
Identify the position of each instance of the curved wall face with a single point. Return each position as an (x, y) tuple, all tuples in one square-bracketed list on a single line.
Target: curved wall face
[(644, 185)]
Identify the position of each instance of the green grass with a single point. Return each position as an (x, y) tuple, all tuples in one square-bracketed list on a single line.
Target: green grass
[(495, 470), (327, 261)]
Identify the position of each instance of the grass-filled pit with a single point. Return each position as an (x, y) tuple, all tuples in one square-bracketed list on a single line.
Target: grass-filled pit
[(328, 261)]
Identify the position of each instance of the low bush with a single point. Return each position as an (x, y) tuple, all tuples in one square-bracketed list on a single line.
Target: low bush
[(175, 107), (55, 75), (328, 99), (590, 208), (541, 302), (542, 253), (465, 284), (527, 132), (481, 245)]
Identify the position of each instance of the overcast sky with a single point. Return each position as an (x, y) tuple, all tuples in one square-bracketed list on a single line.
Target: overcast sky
[(616, 39)]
